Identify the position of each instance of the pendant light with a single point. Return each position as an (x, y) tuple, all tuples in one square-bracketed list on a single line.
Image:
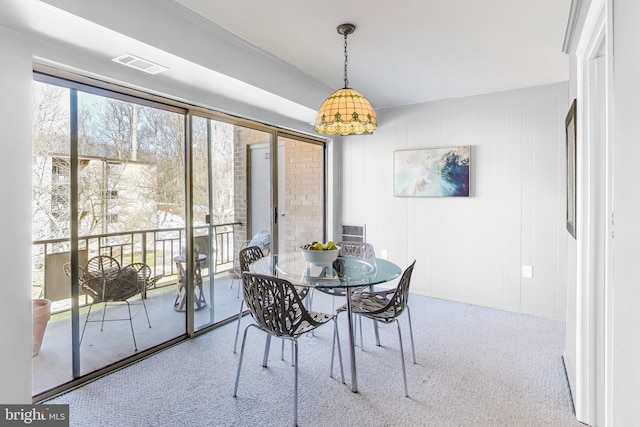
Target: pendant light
[(346, 111)]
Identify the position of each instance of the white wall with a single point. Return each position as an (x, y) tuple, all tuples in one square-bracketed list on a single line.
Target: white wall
[(472, 249), (15, 227)]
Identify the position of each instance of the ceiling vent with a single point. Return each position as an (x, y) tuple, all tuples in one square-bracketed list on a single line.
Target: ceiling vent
[(139, 64)]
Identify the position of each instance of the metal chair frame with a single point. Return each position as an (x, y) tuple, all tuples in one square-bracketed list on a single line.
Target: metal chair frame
[(261, 240), (277, 309), (364, 251), (105, 282), (386, 306), (246, 257)]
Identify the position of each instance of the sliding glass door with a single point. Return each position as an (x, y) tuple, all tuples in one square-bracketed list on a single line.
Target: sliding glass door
[(108, 197), (140, 206)]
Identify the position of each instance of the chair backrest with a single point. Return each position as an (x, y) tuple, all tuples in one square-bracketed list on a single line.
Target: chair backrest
[(357, 249), (98, 274), (261, 240), (66, 267), (274, 304), (400, 297), (248, 256), (140, 273), (102, 266)]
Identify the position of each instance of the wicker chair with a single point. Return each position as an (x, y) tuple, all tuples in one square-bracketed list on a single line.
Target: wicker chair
[(386, 306), (277, 309), (106, 282)]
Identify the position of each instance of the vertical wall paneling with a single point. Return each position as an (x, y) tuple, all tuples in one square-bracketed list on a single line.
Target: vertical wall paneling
[(528, 210), (513, 160), (472, 249)]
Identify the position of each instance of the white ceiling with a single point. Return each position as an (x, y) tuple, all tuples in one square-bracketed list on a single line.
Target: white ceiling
[(408, 51), (403, 52)]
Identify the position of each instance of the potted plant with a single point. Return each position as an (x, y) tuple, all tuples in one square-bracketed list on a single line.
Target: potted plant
[(41, 315)]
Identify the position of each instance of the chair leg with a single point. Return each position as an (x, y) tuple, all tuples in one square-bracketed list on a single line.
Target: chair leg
[(85, 322), (361, 339), (291, 350), (267, 345), (244, 339), (336, 337), (377, 334), (375, 326), (282, 351), (333, 351), (413, 348), (310, 307), (295, 382), (135, 345), (235, 343), (145, 310), (104, 312), (404, 371)]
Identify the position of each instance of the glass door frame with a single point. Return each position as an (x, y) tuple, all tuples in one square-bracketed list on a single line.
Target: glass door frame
[(276, 183), (75, 82)]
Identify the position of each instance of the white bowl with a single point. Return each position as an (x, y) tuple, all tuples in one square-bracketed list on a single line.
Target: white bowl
[(320, 258)]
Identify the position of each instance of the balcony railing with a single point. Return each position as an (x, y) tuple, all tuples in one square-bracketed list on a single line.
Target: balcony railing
[(155, 247)]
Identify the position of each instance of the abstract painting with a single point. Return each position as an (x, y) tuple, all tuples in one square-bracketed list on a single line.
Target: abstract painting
[(432, 172)]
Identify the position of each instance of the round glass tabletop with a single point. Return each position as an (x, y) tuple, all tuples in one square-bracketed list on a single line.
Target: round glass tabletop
[(343, 273)]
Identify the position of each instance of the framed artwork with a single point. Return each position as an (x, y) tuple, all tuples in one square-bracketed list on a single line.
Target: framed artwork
[(432, 172), (570, 130)]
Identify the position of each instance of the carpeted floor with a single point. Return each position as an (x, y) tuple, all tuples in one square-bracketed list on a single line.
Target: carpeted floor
[(476, 367)]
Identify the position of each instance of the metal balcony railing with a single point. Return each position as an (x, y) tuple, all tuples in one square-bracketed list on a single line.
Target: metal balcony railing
[(155, 247)]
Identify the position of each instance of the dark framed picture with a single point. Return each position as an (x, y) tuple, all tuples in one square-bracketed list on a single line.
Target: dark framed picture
[(570, 130)]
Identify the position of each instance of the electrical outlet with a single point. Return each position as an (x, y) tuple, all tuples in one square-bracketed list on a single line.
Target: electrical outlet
[(527, 271)]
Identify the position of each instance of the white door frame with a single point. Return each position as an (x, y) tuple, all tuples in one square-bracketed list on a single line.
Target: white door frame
[(593, 391)]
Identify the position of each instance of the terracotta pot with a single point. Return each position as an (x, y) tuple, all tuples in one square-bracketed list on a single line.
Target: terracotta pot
[(41, 315)]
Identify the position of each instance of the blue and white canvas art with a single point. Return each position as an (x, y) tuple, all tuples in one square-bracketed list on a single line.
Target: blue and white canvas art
[(432, 172)]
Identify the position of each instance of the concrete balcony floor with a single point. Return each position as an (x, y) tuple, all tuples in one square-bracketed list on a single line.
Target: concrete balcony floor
[(53, 365)]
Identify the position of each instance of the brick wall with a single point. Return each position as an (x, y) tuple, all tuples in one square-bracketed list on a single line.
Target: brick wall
[(303, 194)]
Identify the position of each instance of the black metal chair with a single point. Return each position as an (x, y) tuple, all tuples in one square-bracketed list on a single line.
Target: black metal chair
[(386, 306), (246, 257), (362, 250), (277, 309), (261, 240)]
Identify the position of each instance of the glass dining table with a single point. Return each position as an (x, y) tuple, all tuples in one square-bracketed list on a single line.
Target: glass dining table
[(346, 273)]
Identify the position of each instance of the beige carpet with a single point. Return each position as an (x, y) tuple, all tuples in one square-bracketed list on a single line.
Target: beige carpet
[(476, 367)]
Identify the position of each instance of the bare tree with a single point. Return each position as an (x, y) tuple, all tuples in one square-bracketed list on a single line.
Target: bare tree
[(132, 164)]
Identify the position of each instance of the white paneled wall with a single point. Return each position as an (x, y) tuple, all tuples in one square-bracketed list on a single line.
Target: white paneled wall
[(472, 249)]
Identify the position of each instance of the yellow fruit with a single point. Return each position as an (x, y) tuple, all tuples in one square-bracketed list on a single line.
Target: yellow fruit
[(329, 246), (318, 247)]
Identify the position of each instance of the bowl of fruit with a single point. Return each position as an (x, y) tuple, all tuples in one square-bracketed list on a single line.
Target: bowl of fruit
[(321, 255)]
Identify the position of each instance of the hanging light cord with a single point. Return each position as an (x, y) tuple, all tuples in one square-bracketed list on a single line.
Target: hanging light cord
[(346, 80)]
